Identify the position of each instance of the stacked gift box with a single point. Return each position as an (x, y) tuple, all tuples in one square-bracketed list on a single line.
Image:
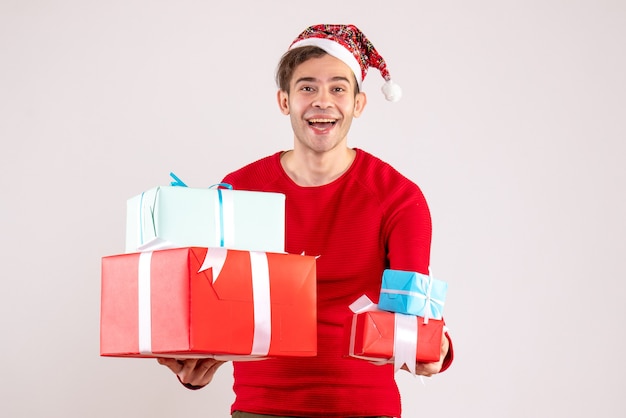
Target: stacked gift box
[(405, 327), (205, 274)]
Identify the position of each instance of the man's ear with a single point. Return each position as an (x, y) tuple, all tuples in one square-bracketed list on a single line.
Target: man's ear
[(360, 100), (283, 101)]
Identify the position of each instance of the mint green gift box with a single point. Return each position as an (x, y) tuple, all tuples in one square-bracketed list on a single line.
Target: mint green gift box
[(208, 217)]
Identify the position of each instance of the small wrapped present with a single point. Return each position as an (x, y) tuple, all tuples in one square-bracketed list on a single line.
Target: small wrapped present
[(211, 217), (199, 302), (386, 337), (412, 294)]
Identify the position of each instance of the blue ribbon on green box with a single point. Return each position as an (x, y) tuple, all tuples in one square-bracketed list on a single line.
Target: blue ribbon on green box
[(177, 182)]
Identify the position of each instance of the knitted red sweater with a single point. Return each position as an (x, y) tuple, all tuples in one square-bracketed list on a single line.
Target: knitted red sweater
[(369, 219)]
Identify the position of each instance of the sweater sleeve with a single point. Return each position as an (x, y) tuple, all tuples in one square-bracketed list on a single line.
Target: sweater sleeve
[(408, 235)]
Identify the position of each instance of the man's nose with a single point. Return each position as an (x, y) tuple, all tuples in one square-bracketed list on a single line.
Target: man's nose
[(322, 99)]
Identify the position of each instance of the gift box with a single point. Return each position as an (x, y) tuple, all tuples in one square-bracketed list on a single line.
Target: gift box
[(211, 217), (412, 294), (387, 337), (199, 302)]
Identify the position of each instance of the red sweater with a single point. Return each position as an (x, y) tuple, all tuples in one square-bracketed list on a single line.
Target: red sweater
[(369, 219)]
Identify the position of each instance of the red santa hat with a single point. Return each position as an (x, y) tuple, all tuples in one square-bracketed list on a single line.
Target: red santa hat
[(348, 44)]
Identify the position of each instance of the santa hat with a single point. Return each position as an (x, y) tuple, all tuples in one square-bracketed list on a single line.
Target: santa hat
[(348, 44)]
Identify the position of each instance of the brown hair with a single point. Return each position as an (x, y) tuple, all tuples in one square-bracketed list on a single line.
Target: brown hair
[(292, 59)]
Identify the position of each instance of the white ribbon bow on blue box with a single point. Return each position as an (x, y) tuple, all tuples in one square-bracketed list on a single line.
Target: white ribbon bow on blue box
[(412, 293)]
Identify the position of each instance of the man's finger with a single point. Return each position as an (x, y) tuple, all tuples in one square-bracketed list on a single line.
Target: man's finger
[(187, 367), (170, 363), (210, 366)]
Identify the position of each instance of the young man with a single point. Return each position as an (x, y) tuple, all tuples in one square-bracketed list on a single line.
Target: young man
[(354, 211)]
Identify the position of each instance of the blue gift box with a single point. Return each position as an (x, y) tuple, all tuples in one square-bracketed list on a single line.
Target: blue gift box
[(412, 293)]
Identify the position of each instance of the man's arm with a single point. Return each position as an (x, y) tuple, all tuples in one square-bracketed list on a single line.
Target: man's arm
[(409, 242)]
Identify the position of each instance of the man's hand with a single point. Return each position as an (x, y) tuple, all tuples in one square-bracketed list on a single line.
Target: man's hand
[(429, 369), (196, 372)]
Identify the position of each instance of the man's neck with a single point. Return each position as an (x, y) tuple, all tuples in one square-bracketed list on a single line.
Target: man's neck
[(309, 169)]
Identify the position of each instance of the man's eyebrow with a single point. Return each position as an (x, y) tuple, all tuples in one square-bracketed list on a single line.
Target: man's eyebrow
[(313, 79), (341, 78), (306, 80)]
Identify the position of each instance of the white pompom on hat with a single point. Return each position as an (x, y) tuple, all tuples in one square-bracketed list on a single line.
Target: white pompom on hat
[(348, 44)]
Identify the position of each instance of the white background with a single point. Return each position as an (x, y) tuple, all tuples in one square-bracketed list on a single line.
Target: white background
[(513, 122)]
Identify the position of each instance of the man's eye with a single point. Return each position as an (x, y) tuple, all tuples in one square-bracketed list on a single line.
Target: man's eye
[(307, 88)]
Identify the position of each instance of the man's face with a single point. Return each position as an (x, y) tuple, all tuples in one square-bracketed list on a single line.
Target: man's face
[(321, 103)]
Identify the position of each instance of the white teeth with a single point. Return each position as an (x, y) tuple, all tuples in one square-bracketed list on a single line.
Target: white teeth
[(321, 120)]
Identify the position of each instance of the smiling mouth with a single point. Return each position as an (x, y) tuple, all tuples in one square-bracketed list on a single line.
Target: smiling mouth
[(322, 123)]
